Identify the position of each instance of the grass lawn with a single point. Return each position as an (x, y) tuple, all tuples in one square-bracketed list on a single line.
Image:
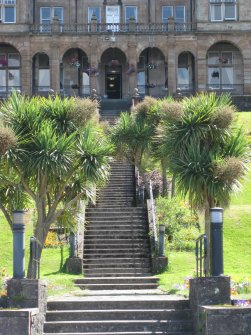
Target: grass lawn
[(58, 281)]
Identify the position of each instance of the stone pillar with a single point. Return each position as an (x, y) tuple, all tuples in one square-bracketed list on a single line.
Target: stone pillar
[(172, 67), (55, 68), (94, 24), (55, 25), (132, 61), (202, 73), (26, 73), (205, 292), (171, 24), (132, 24)]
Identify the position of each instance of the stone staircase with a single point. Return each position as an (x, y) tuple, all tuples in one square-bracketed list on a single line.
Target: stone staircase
[(116, 246), (120, 295), (122, 315)]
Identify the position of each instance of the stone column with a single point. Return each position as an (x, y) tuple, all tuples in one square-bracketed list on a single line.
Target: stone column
[(202, 72), (205, 292), (26, 71), (55, 68), (132, 62), (172, 66)]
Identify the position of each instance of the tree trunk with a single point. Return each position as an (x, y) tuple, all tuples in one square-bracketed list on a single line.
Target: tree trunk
[(40, 235), (164, 178)]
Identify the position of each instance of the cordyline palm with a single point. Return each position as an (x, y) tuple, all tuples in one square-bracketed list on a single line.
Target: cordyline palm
[(57, 159), (206, 153), (132, 137)]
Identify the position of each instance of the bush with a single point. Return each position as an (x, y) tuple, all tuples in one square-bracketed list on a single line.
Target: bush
[(181, 222)]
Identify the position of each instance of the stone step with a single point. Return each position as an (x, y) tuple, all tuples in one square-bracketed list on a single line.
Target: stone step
[(116, 280), (129, 243), (128, 224), (106, 247), (121, 231), (112, 254), (126, 333), (101, 264), (137, 210), (112, 214), (112, 271), (116, 261), (121, 302), (90, 274), (126, 314), (142, 286), (117, 325)]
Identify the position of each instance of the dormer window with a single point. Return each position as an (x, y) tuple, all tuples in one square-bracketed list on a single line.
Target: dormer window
[(223, 10), (8, 11)]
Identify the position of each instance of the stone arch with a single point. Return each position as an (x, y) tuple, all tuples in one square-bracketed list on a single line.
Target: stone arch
[(225, 68), (113, 82), (10, 69), (186, 72), (75, 71), (41, 73), (152, 72)]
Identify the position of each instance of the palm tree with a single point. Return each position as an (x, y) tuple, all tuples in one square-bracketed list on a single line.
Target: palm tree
[(59, 156), (206, 153)]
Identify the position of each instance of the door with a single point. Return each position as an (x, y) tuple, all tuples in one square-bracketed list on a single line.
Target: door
[(113, 83)]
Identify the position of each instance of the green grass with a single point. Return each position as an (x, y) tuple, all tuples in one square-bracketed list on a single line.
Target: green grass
[(59, 282)]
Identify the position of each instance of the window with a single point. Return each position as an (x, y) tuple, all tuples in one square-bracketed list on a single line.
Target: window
[(177, 12), (96, 12), (221, 10), (47, 14), (220, 70), (131, 12), (8, 11), (9, 72)]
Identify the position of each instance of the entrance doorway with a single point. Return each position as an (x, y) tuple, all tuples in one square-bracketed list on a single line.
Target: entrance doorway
[(113, 85)]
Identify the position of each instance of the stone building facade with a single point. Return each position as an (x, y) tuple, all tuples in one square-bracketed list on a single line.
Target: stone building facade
[(161, 47)]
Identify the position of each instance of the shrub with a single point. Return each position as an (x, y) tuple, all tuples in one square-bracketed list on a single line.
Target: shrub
[(181, 222)]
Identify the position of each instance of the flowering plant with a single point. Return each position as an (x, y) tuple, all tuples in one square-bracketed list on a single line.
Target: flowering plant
[(74, 62)]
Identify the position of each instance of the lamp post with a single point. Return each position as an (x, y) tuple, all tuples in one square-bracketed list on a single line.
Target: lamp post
[(161, 240), (18, 244), (217, 241)]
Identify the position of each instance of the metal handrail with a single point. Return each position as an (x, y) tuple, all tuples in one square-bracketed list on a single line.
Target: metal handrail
[(201, 254), (35, 251), (152, 212)]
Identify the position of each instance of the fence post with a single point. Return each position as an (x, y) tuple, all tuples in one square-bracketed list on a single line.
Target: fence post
[(18, 244), (217, 241)]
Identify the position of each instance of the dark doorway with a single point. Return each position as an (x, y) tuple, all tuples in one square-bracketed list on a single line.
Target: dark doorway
[(113, 83)]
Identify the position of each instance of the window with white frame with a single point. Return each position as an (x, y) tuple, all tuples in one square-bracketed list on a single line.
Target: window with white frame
[(131, 12), (9, 72), (94, 11), (177, 12), (220, 70), (48, 13), (223, 10), (8, 11)]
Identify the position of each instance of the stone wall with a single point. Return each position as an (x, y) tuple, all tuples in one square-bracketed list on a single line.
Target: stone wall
[(21, 322), (222, 320)]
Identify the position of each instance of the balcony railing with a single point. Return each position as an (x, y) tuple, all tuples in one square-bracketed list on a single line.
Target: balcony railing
[(226, 88), (112, 28), (5, 91)]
